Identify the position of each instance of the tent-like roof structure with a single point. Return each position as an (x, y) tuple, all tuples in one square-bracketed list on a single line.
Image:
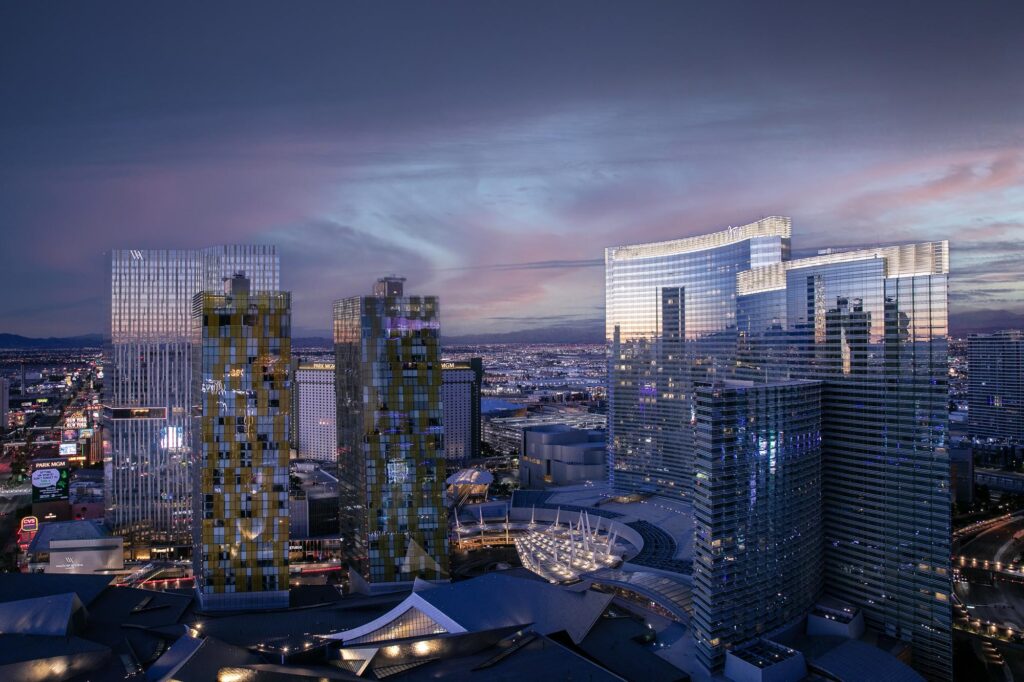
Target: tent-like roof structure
[(485, 603), (470, 477)]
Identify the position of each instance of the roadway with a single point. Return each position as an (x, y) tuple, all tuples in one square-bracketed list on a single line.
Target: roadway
[(1002, 542)]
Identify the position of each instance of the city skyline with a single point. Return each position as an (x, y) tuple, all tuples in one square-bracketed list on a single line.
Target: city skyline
[(426, 140)]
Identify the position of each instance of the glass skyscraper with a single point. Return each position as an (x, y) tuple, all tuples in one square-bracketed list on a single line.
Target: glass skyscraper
[(671, 324), (391, 456), (871, 325), (995, 385), (147, 388), (757, 511), (241, 373)]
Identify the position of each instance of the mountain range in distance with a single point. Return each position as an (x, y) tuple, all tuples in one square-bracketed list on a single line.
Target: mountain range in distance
[(577, 332)]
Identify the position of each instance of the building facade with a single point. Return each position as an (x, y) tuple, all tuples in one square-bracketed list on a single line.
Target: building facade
[(315, 404), (871, 325), (461, 382), (558, 454), (391, 454), (757, 511), (670, 312), (995, 385), (242, 384), (5, 403), (147, 388)]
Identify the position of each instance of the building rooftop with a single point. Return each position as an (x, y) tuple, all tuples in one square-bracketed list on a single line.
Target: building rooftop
[(772, 226), (91, 529), (857, 661)]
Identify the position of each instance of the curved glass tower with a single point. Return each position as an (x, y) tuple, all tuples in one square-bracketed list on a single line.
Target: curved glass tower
[(871, 325), (670, 325), (757, 511)]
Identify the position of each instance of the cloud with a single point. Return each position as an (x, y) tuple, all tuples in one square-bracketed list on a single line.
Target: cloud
[(491, 153)]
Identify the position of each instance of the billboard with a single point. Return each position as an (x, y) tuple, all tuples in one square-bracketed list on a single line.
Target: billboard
[(69, 435), (67, 449), (85, 433), (86, 556), (49, 485)]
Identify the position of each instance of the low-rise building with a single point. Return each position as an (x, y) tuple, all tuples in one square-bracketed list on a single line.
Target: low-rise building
[(558, 454)]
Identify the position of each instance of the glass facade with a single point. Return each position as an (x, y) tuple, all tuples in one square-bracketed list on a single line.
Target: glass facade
[(871, 325), (242, 362), (147, 452), (757, 511), (460, 394), (995, 385), (390, 435), (671, 325)]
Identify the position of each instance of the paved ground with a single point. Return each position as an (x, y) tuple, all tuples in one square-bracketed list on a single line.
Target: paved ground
[(1003, 603), (672, 516)]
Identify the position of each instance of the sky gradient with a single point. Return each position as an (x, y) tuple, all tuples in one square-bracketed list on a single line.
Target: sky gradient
[(490, 151)]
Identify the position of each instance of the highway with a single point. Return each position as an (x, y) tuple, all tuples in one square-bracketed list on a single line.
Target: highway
[(1002, 542)]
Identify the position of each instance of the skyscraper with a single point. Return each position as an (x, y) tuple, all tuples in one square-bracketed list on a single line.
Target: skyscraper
[(242, 356), (390, 434), (5, 406), (995, 385), (871, 325), (757, 511), (461, 382), (316, 434), (671, 324), (147, 388)]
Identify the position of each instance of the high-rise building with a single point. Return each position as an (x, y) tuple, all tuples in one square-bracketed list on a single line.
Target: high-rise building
[(461, 382), (871, 325), (995, 385), (147, 387), (315, 402), (242, 355), (390, 434), (757, 511), (5, 405), (671, 324)]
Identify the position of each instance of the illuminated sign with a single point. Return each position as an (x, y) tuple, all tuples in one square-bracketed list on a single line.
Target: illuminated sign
[(48, 464), (171, 438), (77, 422), (69, 435), (67, 449), (138, 413), (29, 524), (324, 366), (86, 433), (398, 471), (49, 485)]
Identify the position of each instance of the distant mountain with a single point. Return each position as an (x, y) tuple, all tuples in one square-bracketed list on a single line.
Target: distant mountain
[(16, 342), (984, 321), (584, 331), (312, 342)]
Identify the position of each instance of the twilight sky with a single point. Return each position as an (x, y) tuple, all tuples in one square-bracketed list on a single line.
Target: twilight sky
[(489, 151)]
